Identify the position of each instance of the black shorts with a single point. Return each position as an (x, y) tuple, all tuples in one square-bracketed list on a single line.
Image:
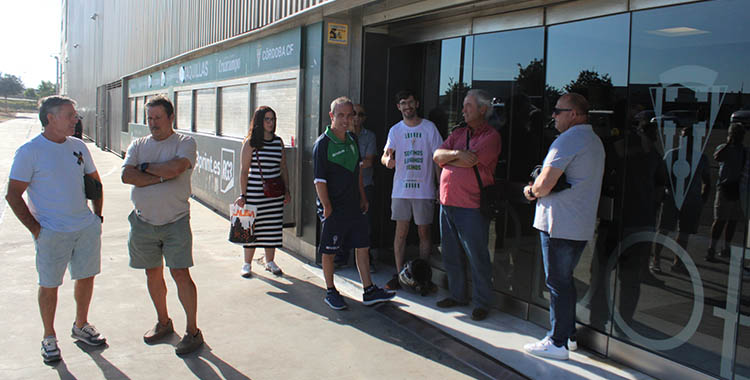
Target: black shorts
[(343, 233)]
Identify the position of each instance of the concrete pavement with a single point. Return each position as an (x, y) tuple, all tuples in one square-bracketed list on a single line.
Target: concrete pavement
[(265, 327)]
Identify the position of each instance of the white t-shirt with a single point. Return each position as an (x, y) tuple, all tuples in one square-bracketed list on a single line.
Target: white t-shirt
[(165, 202), (54, 172), (415, 169)]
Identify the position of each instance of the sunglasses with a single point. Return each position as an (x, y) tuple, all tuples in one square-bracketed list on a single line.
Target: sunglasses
[(557, 111)]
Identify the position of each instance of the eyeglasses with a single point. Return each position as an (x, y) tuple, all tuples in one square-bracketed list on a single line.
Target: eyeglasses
[(407, 103), (557, 111), (269, 118)]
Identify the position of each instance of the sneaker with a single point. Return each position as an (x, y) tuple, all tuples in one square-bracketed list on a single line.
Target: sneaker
[(50, 351), (189, 343), (158, 332), (376, 295), (246, 271), (393, 283), (725, 252), (450, 302), (273, 268), (88, 334), (479, 314), (572, 342), (335, 300), (546, 349)]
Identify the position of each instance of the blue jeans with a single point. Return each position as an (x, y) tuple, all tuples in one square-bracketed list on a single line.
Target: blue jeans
[(560, 259), (466, 230)]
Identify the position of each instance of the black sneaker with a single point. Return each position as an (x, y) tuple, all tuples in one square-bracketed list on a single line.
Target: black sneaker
[(479, 314), (711, 256), (335, 300), (393, 283), (50, 351), (725, 252), (376, 295)]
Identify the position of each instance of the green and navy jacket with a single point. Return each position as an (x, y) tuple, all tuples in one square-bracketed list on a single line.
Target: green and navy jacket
[(336, 163)]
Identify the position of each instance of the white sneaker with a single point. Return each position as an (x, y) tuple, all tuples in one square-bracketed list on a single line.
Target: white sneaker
[(246, 270), (572, 343), (546, 349), (273, 268)]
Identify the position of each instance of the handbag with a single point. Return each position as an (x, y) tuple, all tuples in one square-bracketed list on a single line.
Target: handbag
[(272, 187), (489, 196), (242, 223), (91, 187)]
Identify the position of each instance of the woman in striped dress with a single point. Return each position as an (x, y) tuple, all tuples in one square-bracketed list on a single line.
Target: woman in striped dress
[(262, 149)]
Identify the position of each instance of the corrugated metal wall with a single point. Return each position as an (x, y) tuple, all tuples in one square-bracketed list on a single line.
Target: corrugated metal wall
[(103, 41)]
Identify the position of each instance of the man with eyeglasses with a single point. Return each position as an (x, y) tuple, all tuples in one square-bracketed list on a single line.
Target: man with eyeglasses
[(566, 219), (66, 233), (410, 145), (159, 167)]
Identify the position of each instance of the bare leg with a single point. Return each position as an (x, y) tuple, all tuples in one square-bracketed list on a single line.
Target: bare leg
[(157, 289), (84, 289), (363, 266), (188, 295), (328, 270), (270, 254), (399, 243), (47, 298), (249, 253), (425, 241)]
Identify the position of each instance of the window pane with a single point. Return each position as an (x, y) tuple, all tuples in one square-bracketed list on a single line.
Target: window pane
[(235, 115), (591, 58), (688, 73), (205, 110), (184, 110), (133, 110), (281, 96)]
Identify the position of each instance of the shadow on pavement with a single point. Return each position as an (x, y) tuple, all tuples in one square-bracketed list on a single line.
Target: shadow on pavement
[(198, 362), (109, 370)]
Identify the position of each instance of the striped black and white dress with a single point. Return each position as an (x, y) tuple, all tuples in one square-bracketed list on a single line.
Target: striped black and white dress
[(270, 217)]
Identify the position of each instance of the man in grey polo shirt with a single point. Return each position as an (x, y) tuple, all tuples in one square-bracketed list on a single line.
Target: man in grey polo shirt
[(566, 219), (159, 168)]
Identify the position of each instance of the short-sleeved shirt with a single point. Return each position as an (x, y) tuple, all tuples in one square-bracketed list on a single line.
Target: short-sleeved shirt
[(571, 213), (731, 160), (414, 177), (459, 186), (336, 163), (366, 141), (166, 202), (54, 172)]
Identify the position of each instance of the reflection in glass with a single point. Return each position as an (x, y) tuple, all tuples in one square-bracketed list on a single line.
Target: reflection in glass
[(687, 74), (590, 58)]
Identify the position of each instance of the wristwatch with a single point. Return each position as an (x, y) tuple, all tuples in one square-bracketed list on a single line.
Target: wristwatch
[(144, 166), (101, 217)]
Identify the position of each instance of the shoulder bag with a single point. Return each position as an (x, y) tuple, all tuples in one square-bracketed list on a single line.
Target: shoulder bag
[(489, 196), (272, 187)]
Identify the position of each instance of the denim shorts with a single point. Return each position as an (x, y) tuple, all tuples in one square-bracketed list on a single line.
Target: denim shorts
[(423, 210), (148, 244), (78, 250)]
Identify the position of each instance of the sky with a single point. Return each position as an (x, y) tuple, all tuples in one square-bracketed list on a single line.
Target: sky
[(29, 35)]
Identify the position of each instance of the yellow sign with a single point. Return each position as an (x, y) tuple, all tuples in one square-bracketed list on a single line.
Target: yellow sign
[(338, 33)]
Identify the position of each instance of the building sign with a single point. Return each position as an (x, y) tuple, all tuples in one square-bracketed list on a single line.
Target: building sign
[(278, 52), (338, 33), (215, 176)]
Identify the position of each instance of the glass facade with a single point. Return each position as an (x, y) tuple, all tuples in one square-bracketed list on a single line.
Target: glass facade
[(667, 269)]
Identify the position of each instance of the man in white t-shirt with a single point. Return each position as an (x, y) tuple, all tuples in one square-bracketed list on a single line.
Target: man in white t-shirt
[(409, 148), (159, 167), (50, 169)]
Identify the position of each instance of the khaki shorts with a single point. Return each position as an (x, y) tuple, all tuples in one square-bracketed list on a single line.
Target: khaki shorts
[(423, 210), (148, 244), (79, 250)]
